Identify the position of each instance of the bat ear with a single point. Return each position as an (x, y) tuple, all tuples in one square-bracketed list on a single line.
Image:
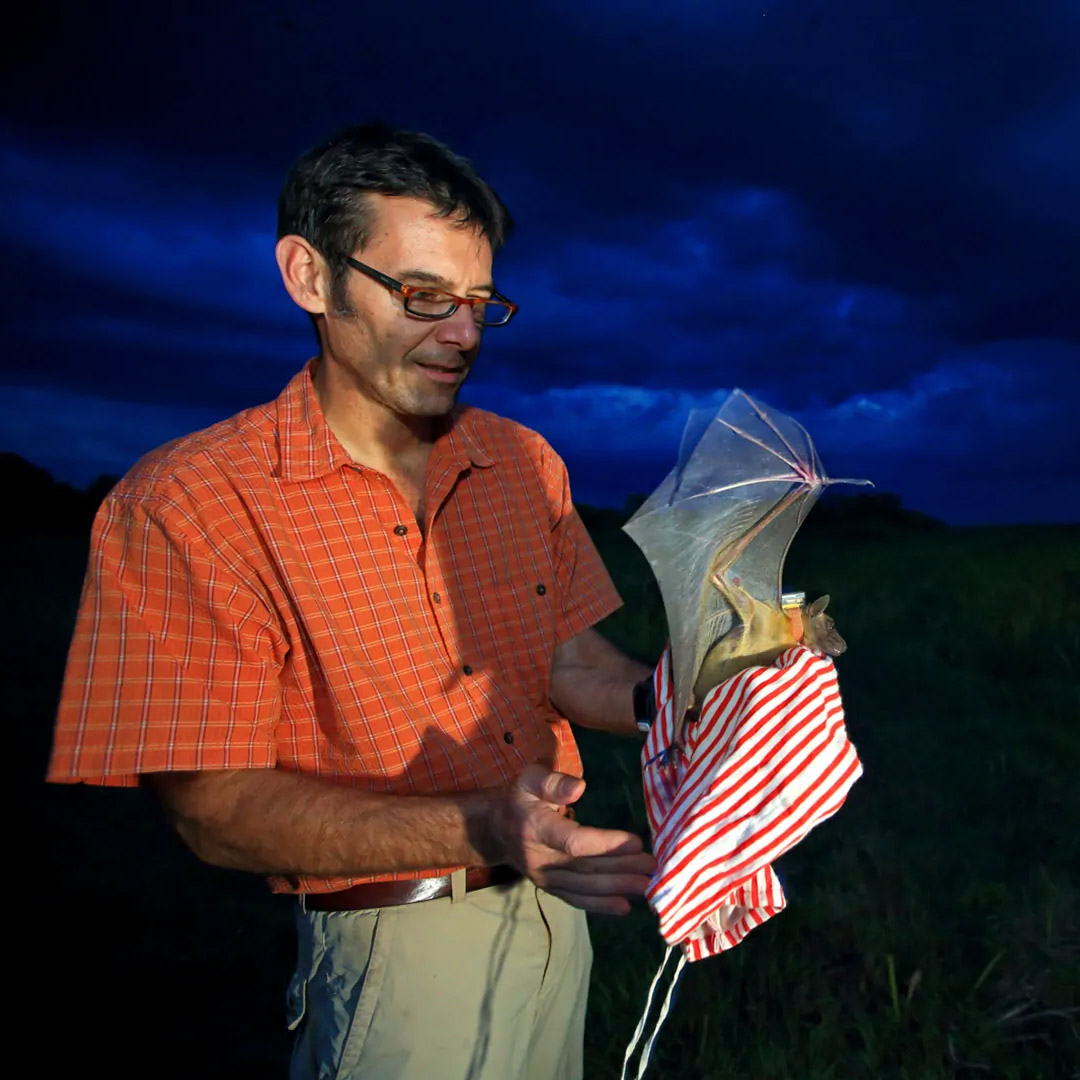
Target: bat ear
[(818, 606)]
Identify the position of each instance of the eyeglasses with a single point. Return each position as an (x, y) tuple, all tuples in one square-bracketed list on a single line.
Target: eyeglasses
[(427, 303)]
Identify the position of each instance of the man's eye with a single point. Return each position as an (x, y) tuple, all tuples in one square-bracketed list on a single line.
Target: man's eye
[(430, 303)]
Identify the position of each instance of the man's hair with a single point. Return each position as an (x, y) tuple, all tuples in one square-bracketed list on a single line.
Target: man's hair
[(324, 197)]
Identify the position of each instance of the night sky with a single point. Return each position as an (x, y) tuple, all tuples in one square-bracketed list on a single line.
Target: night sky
[(866, 214)]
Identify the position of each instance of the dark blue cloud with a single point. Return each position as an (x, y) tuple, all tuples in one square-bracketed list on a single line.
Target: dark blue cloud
[(865, 216)]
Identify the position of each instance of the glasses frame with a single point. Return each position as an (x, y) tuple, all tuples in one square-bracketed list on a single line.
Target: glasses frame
[(407, 291)]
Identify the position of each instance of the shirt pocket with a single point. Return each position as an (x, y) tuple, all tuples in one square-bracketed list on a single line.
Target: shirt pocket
[(523, 619)]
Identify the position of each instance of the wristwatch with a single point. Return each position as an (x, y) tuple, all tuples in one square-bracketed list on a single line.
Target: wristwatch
[(645, 704)]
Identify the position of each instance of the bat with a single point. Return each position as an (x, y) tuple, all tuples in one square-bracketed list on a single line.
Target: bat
[(716, 533)]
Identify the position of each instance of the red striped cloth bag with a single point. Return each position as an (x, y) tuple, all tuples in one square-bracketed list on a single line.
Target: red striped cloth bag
[(767, 759)]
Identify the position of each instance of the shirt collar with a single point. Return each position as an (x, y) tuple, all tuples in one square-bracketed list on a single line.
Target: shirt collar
[(459, 440), (308, 449)]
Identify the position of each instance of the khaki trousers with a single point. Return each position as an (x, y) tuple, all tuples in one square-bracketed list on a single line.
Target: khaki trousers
[(489, 987)]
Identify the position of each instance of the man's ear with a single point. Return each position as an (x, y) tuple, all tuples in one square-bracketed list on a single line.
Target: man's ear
[(304, 273)]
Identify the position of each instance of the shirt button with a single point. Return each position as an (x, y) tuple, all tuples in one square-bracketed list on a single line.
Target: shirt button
[(401, 530), (507, 737), (541, 589), (436, 597), (467, 669)]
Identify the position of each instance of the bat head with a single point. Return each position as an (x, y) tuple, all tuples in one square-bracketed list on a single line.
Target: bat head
[(819, 630)]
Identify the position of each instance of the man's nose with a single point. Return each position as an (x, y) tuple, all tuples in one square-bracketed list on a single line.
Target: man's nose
[(459, 329)]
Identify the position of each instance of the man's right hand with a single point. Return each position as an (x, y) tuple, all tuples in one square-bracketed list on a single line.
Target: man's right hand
[(594, 869)]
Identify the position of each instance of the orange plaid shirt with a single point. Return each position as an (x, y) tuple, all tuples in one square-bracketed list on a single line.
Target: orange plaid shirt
[(256, 599)]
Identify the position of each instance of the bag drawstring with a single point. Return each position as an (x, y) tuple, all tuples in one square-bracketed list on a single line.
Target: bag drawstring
[(646, 1053)]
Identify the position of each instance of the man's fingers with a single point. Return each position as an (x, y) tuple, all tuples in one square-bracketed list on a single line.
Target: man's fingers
[(550, 786), (562, 879), (583, 841), (586, 840), (598, 905), (640, 863)]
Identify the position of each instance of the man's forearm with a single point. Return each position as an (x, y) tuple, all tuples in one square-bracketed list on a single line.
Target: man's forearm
[(592, 684), (274, 822)]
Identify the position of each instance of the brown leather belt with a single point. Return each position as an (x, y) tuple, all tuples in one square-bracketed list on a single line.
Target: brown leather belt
[(376, 894)]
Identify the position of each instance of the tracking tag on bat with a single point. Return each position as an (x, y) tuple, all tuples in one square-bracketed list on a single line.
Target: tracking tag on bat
[(790, 601)]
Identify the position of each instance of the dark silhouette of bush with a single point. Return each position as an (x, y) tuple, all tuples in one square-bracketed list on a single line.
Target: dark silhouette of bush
[(866, 516), (877, 514), (600, 518), (43, 504)]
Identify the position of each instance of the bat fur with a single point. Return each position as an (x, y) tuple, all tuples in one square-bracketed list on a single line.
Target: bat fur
[(762, 634)]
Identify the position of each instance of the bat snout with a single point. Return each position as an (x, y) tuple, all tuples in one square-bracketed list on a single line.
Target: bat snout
[(835, 644), (822, 634)]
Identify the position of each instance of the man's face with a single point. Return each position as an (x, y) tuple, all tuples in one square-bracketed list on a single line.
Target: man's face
[(411, 366)]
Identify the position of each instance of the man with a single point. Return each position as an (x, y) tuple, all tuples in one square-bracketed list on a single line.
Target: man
[(340, 635)]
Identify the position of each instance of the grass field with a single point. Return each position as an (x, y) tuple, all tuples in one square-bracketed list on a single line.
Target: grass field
[(932, 928)]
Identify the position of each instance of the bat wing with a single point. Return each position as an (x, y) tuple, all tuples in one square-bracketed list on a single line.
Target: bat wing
[(744, 483)]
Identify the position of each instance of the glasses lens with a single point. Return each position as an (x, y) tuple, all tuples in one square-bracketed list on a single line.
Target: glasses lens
[(438, 305), (429, 305), (492, 313)]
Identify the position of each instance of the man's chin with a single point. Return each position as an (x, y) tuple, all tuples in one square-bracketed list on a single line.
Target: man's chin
[(433, 402), (437, 399)]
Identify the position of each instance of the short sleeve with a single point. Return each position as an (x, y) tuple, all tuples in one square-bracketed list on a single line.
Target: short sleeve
[(175, 662), (586, 593)]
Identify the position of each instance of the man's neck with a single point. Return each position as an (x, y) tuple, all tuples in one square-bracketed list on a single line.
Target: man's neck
[(372, 434)]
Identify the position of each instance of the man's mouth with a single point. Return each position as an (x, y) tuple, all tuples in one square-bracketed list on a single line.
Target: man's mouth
[(443, 373)]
